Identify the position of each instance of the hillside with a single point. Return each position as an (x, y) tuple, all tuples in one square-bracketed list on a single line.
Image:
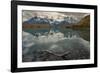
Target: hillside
[(85, 22), (35, 26)]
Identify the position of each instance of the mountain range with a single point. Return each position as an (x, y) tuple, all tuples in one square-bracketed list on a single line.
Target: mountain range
[(39, 20)]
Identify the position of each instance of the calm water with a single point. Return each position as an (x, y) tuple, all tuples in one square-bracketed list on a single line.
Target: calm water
[(57, 42), (82, 32)]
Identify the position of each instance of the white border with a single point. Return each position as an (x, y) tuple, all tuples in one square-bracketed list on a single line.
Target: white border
[(53, 63)]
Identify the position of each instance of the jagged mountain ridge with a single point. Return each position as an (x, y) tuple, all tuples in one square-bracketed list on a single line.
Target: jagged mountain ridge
[(39, 20)]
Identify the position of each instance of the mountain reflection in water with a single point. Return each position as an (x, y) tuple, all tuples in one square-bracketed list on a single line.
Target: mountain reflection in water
[(41, 45)]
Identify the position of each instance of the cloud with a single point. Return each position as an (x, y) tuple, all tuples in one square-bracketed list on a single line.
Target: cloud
[(27, 14)]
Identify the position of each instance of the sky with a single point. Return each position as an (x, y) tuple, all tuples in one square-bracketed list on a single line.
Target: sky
[(27, 14)]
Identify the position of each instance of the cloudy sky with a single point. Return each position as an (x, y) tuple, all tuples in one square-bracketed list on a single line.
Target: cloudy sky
[(27, 14)]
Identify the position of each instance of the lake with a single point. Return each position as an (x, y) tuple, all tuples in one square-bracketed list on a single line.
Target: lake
[(55, 44)]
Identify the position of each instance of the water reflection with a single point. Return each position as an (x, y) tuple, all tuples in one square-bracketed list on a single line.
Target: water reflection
[(54, 44)]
